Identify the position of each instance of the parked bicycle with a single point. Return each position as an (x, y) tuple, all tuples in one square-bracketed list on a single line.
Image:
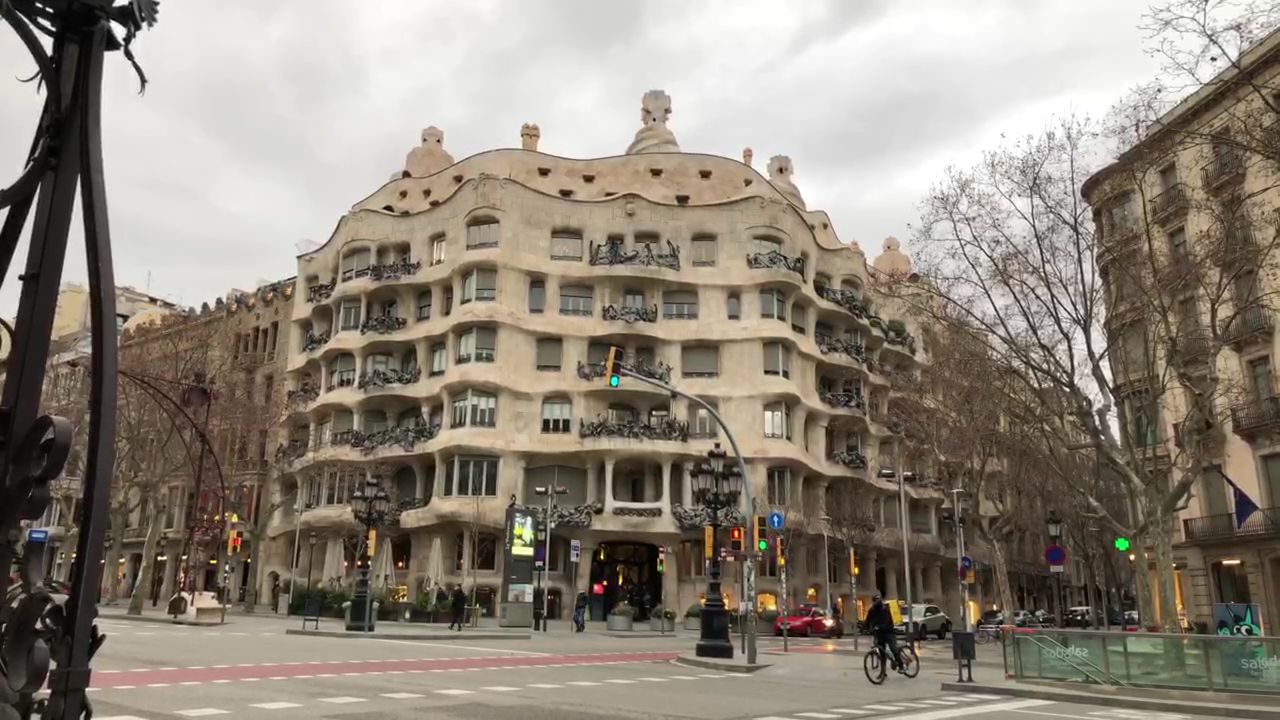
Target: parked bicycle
[(876, 663), (986, 633)]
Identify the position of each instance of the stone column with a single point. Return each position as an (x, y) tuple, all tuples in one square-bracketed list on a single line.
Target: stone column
[(666, 490), (867, 572), (166, 583), (890, 589), (593, 479), (420, 481), (917, 586), (608, 487), (935, 581), (440, 473)]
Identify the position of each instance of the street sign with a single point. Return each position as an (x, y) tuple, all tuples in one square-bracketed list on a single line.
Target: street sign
[(966, 562), (662, 549), (575, 551), (775, 520), (36, 535), (1055, 555), (1057, 568)]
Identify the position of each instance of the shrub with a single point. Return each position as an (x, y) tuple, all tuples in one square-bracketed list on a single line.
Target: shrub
[(694, 611), (624, 610), (668, 614)]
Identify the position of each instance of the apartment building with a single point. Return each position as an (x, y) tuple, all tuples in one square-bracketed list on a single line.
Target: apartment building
[(1187, 221), (449, 338)]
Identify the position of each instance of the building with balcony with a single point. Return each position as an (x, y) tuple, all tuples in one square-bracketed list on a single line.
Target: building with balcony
[(449, 339), (1186, 220)]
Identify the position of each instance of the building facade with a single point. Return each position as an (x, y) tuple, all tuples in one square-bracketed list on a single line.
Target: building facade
[(1187, 220), (449, 338)]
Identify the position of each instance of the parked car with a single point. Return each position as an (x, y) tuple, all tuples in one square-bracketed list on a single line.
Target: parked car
[(992, 617), (928, 619), (1081, 616), (809, 621)]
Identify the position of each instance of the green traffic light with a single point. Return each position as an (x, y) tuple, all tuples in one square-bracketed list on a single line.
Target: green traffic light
[(613, 381), (764, 545), (1122, 544)]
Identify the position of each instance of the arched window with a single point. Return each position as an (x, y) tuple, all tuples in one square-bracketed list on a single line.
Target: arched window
[(475, 408), (342, 372), (482, 233), (356, 263)]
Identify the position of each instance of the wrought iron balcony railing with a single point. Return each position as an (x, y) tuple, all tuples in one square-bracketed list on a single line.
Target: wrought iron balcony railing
[(1256, 416), (1223, 527), (321, 291), (630, 314), (1169, 203), (1251, 324), (1226, 166), (846, 299), (776, 260)]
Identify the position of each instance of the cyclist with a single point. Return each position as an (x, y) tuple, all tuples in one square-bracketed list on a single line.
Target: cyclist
[(880, 621)]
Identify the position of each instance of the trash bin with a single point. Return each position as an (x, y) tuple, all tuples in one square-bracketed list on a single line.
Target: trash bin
[(359, 617)]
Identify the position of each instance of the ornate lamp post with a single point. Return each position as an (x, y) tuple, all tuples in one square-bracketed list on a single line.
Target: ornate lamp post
[(1055, 526), (371, 507), (311, 556), (718, 488)]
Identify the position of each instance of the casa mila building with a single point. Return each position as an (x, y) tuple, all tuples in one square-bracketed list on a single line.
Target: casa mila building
[(449, 337)]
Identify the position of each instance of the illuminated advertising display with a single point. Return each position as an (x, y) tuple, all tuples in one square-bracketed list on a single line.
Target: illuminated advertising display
[(523, 537)]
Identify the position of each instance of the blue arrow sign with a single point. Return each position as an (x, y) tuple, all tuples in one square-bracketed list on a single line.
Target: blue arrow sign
[(1055, 555), (35, 535), (775, 520), (966, 562)]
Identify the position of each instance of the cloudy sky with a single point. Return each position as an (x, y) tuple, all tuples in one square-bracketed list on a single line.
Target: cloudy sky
[(265, 121)]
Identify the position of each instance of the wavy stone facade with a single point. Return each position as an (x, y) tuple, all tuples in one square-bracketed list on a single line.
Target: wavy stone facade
[(450, 335)]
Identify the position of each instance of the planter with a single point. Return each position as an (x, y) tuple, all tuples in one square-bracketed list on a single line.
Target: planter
[(658, 624), (618, 623), (693, 623)]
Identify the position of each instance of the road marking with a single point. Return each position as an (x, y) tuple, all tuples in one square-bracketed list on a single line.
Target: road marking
[(882, 708), (622, 682), (652, 679), (987, 697), (191, 682), (849, 711), (121, 717), (158, 685), (683, 677), (276, 705), (545, 686), (455, 692), (772, 717), (342, 700), (500, 688), (939, 702), (913, 705), (202, 712), (464, 647), (583, 683), (818, 715), (973, 710), (216, 681), (402, 695)]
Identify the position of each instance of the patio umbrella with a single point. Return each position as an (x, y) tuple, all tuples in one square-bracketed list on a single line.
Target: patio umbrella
[(435, 567), (333, 557), (383, 571)]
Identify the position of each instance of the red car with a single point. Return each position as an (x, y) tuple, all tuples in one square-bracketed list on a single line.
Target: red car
[(808, 621)]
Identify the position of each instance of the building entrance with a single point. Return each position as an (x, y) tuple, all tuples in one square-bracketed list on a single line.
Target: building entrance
[(625, 573)]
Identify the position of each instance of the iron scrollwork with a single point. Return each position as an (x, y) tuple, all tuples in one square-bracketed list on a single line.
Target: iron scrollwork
[(382, 324), (291, 450), (777, 261), (570, 516), (304, 395), (590, 371), (635, 512), (378, 378), (395, 270), (42, 639), (632, 429), (844, 400), (904, 340), (828, 344), (850, 459), (406, 437), (614, 252), (630, 314), (697, 517), (321, 291), (846, 299), (314, 341)]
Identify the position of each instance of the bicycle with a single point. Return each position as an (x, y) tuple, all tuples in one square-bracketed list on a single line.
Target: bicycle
[(987, 633), (876, 664)]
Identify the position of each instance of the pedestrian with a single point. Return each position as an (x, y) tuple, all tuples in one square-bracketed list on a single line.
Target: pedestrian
[(275, 596), (580, 612), (459, 599)]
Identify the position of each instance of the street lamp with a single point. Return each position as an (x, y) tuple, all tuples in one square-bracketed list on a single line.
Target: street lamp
[(311, 556), (1055, 526), (826, 560), (718, 489), (371, 507), (550, 492)]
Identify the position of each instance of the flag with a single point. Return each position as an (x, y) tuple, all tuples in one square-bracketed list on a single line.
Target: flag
[(1245, 506)]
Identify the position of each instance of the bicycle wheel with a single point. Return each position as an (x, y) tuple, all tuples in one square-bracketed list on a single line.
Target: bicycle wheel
[(910, 662), (982, 636), (873, 667)]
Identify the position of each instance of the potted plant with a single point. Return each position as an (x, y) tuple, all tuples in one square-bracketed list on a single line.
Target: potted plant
[(621, 618), (693, 617), (662, 620)]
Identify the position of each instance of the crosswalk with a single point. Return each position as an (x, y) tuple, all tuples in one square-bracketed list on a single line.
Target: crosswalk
[(882, 708)]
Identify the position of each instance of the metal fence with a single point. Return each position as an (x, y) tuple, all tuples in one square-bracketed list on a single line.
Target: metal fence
[(1221, 663)]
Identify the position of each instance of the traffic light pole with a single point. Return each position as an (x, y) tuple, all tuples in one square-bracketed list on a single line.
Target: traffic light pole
[(615, 367)]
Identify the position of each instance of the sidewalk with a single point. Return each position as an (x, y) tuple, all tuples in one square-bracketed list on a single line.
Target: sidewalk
[(1176, 702)]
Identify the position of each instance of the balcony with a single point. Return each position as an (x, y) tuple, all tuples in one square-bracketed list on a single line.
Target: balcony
[(252, 359), (1120, 237), (314, 341), (1222, 528), (1208, 440), (659, 370), (632, 429), (306, 393), (1192, 347), (846, 299), (379, 378), (774, 260), (321, 291), (1169, 204), (382, 324), (828, 344), (1256, 417), (395, 270), (1238, 249), (292, 450), (849, 458), (1251, 325), (844, 400), (1226, 167), (614, 252), (630, 314)]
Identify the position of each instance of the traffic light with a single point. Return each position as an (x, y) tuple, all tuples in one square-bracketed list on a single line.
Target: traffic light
[(762, 533), (777, 546), (853, 563), (233, 541), (735, 539), (610, 361), (662, 565), (1122, 544)]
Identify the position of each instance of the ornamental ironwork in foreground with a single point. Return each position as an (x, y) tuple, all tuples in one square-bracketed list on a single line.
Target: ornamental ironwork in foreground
[(569, 516), (321, 291), (828, 344), (697, 516), (630, 314), (303, 395), (614, 252), (844, 400), (776, 261), (394, 270), (635, 512), (663, 429), (405, 436), (314, 341), (378, 378), (382, 324), (659, 371), (847, 299), (291, 450), (850, 459), (905, 340)]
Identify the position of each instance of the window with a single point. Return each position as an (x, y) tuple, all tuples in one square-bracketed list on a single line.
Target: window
[(700, 361), (596, 352), (379, 363), (387, 308), (1260, 378), (355, 265), (482, 233), (777, 421), (680, 305), (773, 304), (437, 249), (557, 416), (342, 373), (478, 344), (799, 319), (777, 360), (471, 476), (537, 296), (349, 314), (647, 241), (779, 486), (704, 251), (1145, 424), (479, 284), (733, 306), (1178, 244), (576, 300), (633, 298), (448, 301), (374, 421), (549, 354), (439, 359), (424, 305), (566, 245), (474, 409), (765, 245), (1271, 474), (701, 424)]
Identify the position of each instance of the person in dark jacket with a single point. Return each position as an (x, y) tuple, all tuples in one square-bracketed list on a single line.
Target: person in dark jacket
[(580, 612), (459, 600), (880, 622)]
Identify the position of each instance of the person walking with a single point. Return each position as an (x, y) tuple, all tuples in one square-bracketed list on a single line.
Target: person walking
[(459, 600), (580, 612)]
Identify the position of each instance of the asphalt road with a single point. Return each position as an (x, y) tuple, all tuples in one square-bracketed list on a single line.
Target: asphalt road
[(250, 669)]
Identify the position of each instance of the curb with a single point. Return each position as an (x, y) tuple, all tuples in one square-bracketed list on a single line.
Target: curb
[(1182, 707), (643, 636), (375, 635), (705, 664), (162, 620)]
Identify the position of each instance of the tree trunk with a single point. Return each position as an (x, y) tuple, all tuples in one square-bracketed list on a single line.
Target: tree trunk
[(111, 568), (1000, 569), (1167, 593), (147, 568)]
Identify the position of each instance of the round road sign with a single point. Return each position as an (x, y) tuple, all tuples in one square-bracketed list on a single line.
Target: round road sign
[(966, 562), (1055, 555)]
